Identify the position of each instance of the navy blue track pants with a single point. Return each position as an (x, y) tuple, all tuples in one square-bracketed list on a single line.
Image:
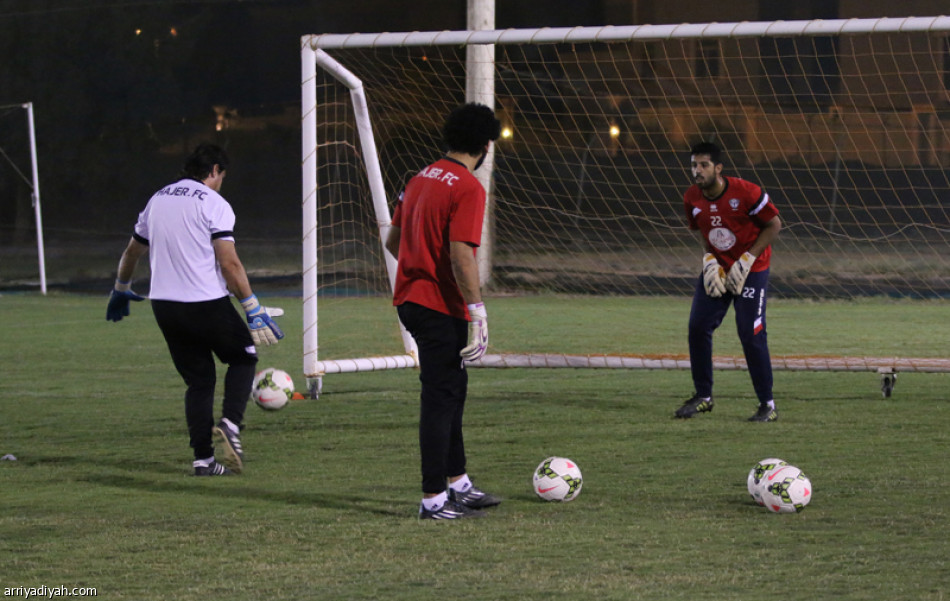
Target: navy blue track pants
[(707, 314)]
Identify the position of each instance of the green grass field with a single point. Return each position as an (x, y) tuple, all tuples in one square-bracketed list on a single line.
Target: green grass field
[(101, 494)]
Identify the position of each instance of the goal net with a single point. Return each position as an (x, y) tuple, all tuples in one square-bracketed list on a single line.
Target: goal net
[(846, 123)]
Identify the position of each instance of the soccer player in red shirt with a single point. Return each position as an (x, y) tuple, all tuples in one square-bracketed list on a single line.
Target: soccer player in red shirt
[(437, 225), (737, 222)]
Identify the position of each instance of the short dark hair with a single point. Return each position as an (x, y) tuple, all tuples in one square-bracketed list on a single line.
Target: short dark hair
[(715, 155), (469, 128), (202, 160)]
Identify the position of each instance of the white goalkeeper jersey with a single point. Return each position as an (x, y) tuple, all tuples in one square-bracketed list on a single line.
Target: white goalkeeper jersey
[(179, 224)]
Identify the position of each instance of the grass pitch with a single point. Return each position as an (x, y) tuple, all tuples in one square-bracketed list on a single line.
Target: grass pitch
[(101, 496)]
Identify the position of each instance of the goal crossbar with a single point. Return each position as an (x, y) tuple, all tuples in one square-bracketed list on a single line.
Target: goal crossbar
[(610, 33)]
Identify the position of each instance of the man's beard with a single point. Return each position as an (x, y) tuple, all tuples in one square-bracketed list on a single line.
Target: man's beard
[(480, 161)]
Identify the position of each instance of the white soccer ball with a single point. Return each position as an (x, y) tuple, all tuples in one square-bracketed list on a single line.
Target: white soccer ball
[(786, 490), (272, 389), (557, 479), (757, 475)]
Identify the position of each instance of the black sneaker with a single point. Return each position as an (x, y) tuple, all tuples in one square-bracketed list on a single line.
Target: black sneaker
[(764, 414), (695, 405), (474, 498), (213, 469), (450, 510), (229, 449)]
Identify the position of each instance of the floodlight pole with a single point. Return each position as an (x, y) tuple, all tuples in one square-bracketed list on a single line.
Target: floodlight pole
[(36, 197)]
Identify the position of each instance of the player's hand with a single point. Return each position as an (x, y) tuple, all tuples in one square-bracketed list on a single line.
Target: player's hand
[(739, 272), (264, 330), (714, 276), (119, 301), (477, 333)]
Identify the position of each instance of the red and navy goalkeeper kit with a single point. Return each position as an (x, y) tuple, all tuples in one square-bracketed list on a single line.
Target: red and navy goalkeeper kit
[(730, 225)]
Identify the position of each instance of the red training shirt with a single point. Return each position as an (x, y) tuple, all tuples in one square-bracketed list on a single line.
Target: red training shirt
[(444, 202), (731, 222)]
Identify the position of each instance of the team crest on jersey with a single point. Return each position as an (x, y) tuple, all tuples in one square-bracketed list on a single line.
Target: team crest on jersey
[(721, 238), (713, 209), (734, 203)]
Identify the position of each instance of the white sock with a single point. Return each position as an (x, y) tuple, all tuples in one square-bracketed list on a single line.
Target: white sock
[(433, 503), (771, 404), (231, 426), (462, 484), (202, 462)]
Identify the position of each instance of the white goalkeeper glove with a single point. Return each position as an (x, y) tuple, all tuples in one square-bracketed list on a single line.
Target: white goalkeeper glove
[(739, 272), (713, 276), (477, 333), (264, 330)]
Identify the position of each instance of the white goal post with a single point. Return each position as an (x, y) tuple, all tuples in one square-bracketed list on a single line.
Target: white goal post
[(848, 118), (34, 183)]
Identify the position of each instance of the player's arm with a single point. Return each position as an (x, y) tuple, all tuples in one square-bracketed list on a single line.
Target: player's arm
[(465, 269), (768, 235), (122, 290), (264, 330), (232, 269), (134, 251), (392, 240)]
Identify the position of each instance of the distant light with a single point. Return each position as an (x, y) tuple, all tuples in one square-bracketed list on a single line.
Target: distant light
[(219, 126), (424, 58), (138, 32), (174, 32), (506, 133), (614, 131)]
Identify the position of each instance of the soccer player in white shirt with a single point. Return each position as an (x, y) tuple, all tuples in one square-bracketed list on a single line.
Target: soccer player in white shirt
[(187, 230)]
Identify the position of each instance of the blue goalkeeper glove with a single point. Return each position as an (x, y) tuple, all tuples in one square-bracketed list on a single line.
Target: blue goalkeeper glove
[(264, 330), (119, 301)]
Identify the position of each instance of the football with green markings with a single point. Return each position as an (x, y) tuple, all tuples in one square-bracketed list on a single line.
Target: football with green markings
[(272, 389), (757, 476), (557, 479), (786, 490)]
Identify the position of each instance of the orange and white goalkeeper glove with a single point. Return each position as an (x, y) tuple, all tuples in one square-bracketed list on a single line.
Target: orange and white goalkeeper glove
[(713, 276), (477, 333), (739, 272)]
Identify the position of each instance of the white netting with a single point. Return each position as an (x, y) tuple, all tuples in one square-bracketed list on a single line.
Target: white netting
[(848, 134)]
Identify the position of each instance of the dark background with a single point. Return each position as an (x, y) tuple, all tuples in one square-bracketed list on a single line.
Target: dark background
[(122, 90)]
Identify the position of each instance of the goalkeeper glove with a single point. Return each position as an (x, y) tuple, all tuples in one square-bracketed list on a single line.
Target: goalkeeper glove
[(713, 276), (264, 330), (119, 301), (739, 272), (477, 333)]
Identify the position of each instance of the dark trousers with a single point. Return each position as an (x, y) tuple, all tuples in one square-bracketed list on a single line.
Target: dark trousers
[(195, 333), (707, 314), (444, 381)]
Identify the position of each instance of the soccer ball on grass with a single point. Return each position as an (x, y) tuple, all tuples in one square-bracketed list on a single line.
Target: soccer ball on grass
[(557, 479), (272, 389), (786, 489), (757, 476)]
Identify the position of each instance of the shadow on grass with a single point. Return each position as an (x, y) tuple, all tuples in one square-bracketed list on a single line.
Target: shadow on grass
[(195, 486), (159, 472)]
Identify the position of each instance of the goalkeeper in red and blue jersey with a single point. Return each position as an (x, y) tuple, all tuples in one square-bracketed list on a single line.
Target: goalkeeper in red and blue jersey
[(738, 223)]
